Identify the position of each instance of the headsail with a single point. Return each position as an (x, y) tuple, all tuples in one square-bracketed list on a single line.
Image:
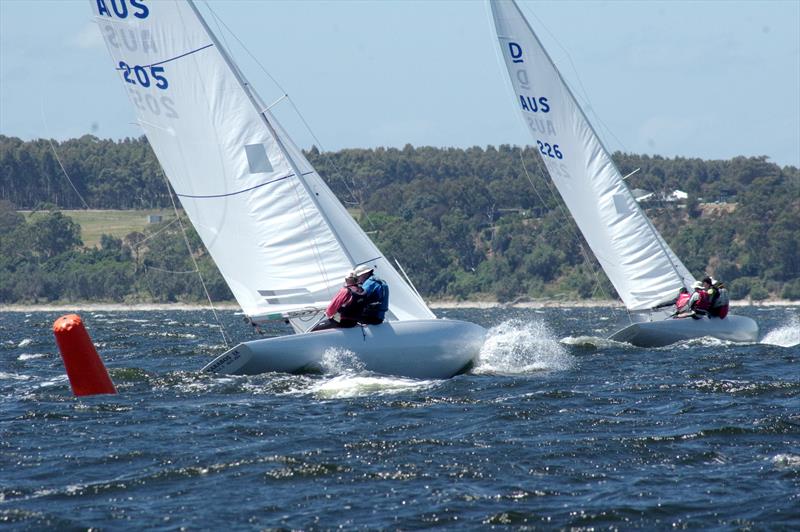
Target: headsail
[(637, 260), (279, 236)]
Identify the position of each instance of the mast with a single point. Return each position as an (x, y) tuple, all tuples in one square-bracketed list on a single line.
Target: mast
[(652, 228), (263, 114), (637, 260)]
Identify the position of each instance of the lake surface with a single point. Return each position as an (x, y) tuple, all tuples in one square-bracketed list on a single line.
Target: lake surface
[(554, 428)]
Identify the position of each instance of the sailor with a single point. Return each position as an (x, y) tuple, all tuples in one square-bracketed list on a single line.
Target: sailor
[(681, 303), (345, 308), (718, 298), (699, 302), (376, 296)]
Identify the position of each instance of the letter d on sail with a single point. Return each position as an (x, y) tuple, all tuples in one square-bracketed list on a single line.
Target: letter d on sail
[(516, 52)]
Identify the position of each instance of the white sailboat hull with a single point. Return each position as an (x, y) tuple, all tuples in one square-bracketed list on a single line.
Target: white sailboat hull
[(664, 332), (423, 349)]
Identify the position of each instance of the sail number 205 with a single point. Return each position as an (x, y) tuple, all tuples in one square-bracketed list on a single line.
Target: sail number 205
[(144, 76), (550, 151)]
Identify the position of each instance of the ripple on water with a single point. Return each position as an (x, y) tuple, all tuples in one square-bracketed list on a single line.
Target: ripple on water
[(31, 356), (13, 376), (626, 438), (787, 461), (744, 387)]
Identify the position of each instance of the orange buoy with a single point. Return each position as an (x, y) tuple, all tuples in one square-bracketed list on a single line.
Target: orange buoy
[(86, 371)]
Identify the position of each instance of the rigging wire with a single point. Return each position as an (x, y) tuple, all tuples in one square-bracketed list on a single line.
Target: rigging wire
[(252, 56), (169, 271), (585, 93), (148, 237), (58, 159), (323, 270), (349, 185), (598, 286), (285, 95), (137, 244), (315, 248), (222, 329)]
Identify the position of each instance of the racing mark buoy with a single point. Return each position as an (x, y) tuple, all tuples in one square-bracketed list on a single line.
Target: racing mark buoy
[(86, 371)]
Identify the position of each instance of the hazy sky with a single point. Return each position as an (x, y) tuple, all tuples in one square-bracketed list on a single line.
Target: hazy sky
[(694, 79)]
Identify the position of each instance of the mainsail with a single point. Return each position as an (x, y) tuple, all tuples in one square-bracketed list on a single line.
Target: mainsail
[(279, 236), (637, 260)]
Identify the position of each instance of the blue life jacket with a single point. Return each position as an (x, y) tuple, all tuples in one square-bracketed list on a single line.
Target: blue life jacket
[(376, 295)]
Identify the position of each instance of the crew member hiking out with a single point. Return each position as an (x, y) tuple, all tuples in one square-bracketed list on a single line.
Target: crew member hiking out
[(376, 296), (699, 302), (718, 298), (345, 308), (681, 303)]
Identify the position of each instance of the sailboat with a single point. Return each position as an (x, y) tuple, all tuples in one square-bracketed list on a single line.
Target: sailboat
[(280, 238), (637, 260)]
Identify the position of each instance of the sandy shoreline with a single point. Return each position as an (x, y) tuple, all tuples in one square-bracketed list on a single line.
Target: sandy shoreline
[(227, 306)]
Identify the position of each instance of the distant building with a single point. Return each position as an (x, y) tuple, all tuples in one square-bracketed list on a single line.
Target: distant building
[(677, 195), (726, 196), (512, 210), (154, 218), (640, 194)]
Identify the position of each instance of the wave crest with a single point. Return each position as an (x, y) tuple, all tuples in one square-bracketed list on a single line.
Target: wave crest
[(786, 335), (517, 346)]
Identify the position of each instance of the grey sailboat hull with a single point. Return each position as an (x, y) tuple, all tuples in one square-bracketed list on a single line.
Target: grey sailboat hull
[(424, 349), (664, 332)]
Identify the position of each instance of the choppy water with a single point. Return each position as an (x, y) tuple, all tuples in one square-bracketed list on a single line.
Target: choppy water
[(554, 428)]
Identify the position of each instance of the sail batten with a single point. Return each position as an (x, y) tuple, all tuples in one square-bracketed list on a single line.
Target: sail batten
[(263, 213), (634, 256)]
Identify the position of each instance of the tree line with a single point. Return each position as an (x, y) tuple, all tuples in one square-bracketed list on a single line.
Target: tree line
[(475, 223)]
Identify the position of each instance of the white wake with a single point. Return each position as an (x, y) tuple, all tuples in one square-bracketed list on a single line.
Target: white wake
[(345, 376), (338, 361), (785, 336), (354, 385), (518, 346)]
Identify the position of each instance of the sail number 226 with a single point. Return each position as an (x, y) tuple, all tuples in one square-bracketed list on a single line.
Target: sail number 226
[(550, 151)]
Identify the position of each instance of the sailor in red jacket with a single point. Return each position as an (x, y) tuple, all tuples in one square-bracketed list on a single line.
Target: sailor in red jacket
[(345, 307), (682, 301), (699, 301)]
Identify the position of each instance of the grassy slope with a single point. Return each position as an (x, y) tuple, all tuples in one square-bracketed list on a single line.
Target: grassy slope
[(119, 223), (111, 222)]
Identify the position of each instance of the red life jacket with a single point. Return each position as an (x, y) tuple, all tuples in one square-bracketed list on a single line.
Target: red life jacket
[(704, 303), (683, 298), (720, 311)]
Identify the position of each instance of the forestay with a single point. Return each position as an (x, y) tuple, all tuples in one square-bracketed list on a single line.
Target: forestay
[(640, 265), (279, 236)]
